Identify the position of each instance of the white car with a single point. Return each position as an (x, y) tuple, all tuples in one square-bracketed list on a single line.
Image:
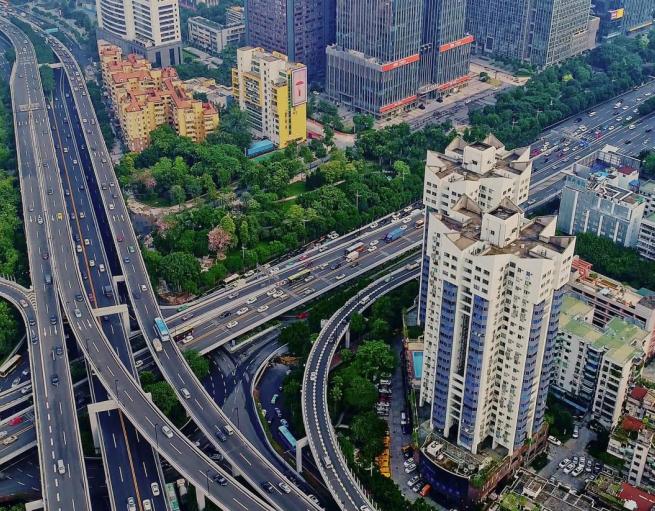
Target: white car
[(569, 468), (112, 207), (232, 324), (611, 128), (167, 431), (78, 313), (251, 300), (340, 276), (263, 308), (242, 311), (374, 242), (277, 294), (374, 225), (564, 462), (372, 248), (271, 292), (411, 468), (144, 288), (154, 487)]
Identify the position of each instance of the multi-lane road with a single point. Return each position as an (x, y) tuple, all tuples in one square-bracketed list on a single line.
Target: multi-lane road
[(63, 475), (345, 489)]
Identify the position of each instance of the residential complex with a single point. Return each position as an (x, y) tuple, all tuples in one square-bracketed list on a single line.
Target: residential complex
[(594, 366), (598, 197), (484, 171), (622, 17), (611, 299), (540, 33), (494, 283), (273, 92), (212, 37), (300, 29), (633, 441), (218, 95), (144, 98), (150, 28), (388, 52)]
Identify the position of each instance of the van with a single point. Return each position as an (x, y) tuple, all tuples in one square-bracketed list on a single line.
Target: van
[(274, 399), (184, 391), (228, 430), (425, 490), (61, 468)]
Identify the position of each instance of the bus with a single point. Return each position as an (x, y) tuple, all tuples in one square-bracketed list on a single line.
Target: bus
[(162, 329), (288, 437), (232, 278), (298, 276), (171, 496), (357, 247), (9, 365)]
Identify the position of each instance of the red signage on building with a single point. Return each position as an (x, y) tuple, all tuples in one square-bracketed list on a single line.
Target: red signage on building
[(401, 62), (456, 44), (397, 104), (454, 83)]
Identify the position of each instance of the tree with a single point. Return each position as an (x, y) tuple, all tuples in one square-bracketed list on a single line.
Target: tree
[(380, 329), (360, 394), (357, 324), (328, 135), (362, 122), (228, 225), (374, 358), (368, 431), (9, 335), (336, 391), (297, 337), (198, 364), (177, 194), (181, 271), (47, 79), (219, 240)]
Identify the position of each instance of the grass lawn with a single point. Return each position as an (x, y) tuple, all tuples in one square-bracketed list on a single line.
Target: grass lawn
[(296, 188)]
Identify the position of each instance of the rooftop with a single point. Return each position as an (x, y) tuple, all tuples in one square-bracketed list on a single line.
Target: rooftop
[(528, 491), (458, 460), (620, 340)]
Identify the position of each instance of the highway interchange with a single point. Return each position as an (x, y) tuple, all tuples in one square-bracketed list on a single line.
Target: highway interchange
[(70, 195)]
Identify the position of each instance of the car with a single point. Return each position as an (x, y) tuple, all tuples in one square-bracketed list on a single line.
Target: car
[(60, 216), (53, 319), (340, 276), (15, 383), (78, 313), (413, 481), (32, 321), (101, 267), (564, 462), (372, 248), (59, 351), (611, 128), (409, 462), (131, 249), (39, 220), (67, 192), (577, 471), (402, 227), (249, 273), (411, 468), (92, 263), (15, 421), (50, 191), (242, 311), (284, 487), (147, 506), (220, 479), (225, 314), (335, 266), (278, 293), (232, 324), (45, 256), (309, 291), (569, 468), (263, 308), (79, 248), (374, 225), (26, 390), (167, 431), (313, 376), (126, 260), (111, 206), (576, 432), (251, 300), (131, 505), (120, 238), (54, 379), (554, 440), (144, 288), (374, 243), (268, 486), (23, 304), (221, 436)]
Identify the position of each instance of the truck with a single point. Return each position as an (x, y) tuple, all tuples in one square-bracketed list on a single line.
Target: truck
[(352, 256), (393, 235)]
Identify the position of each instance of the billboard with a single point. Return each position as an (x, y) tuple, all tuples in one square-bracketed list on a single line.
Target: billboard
[(299, 86), (400, 62), (456, 44), (617, 14)]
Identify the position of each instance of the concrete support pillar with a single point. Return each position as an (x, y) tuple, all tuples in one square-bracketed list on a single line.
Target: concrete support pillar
[(34, 505), (200, 499), (94, 409), (299, 445), (347, 335)]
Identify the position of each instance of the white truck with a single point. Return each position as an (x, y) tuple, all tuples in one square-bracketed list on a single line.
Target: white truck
[(352, 256)]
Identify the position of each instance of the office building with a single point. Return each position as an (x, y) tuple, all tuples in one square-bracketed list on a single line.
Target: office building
[(150, 28), (646, 241), (213, 37), (273, 92), (445, 47), (388, 53), (623, 17), (144, 98), (595, 366), (300, 29), (597, 197), (540, 33), (611, 299), (235, 15), (495, 282)]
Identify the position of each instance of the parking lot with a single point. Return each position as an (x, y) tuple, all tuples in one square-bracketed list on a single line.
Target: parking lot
[(573, 449)]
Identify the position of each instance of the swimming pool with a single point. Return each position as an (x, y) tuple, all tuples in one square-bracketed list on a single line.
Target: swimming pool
[(417, 363)]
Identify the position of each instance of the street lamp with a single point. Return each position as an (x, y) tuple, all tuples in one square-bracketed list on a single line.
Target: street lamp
[(207, 479), (157, 434), (116, 390)]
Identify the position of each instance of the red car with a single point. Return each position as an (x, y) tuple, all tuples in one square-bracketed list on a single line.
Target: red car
[(15, 421)]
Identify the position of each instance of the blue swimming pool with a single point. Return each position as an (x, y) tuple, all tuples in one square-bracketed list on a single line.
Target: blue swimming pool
[(417, 362)]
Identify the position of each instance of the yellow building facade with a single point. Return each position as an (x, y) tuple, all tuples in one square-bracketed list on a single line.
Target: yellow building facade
[(144, 98), (273, 92)]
